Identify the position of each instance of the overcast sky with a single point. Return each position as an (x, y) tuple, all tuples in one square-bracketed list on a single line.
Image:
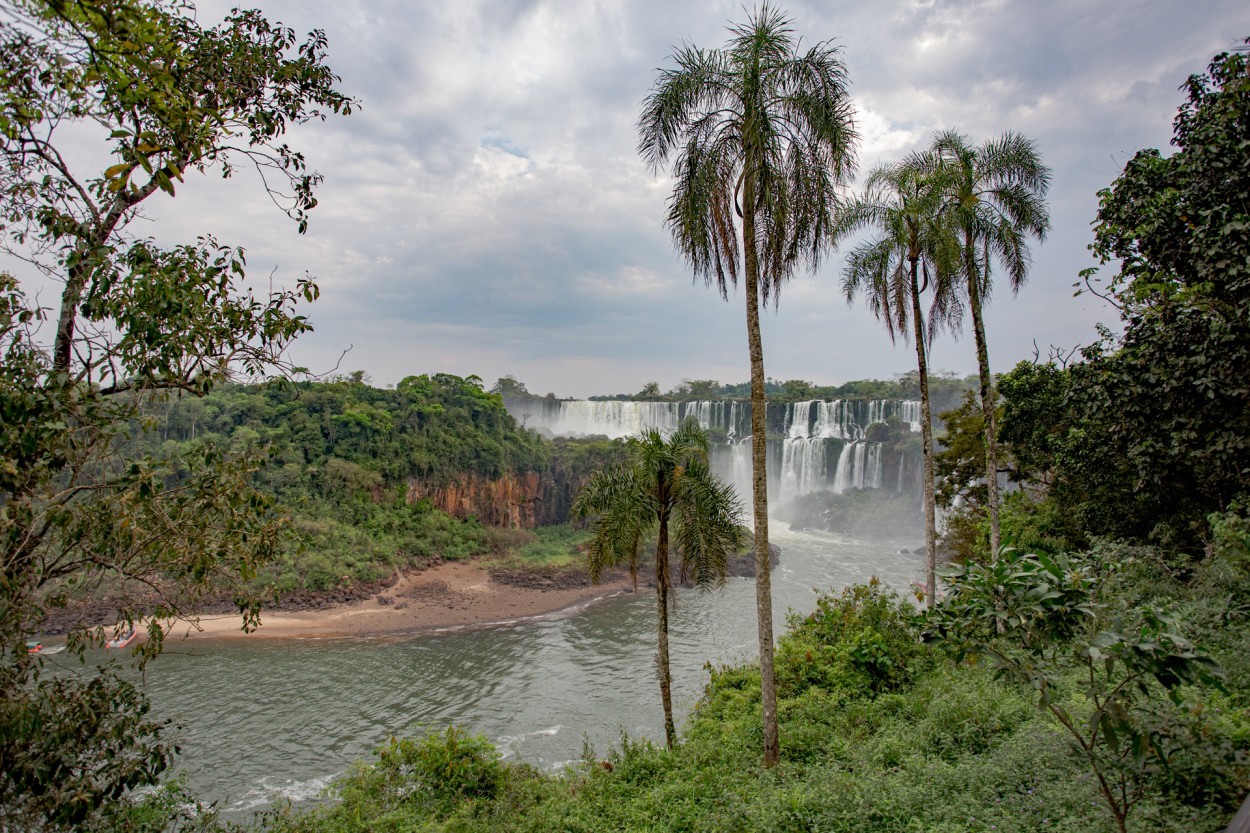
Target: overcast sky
[(485, 211)]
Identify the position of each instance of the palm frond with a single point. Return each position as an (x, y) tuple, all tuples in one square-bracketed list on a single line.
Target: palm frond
[(622, 514), (755, 112), (707, 522), (902, 203), (995, 193)]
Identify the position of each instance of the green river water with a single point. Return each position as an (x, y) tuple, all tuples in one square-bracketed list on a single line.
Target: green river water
[(265, 721)]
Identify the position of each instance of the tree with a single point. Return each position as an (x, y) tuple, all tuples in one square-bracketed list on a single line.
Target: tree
[(761, 137), (901, 204), (666, 481), (1033, 423), (136, 321), (510, 386), (698, 389), (996, 199), (1159, 418), (651, 390), (959, 472), (797, 390)]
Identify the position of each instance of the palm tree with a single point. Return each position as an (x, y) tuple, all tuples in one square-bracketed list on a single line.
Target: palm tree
[(900, 203), (761, 138), (996, 199), (666, 483)]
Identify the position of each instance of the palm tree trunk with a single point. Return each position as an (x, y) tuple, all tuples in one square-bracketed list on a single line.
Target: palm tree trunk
[(662, 585), (987, 402), (759, 484), (926, 441)]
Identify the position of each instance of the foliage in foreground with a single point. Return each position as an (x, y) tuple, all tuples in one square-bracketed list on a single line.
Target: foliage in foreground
[(1042, 620)]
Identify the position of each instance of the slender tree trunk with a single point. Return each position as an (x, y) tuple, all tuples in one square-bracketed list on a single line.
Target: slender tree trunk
[(988, 400), (71, 297), (926, 441), (759, 484), (662, 584)]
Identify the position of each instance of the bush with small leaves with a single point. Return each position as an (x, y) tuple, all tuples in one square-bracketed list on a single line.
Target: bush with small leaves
[(862, 640), (435, 773), (1043, 623)]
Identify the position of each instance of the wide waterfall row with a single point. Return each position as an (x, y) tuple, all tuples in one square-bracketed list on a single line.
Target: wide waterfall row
[(584, 418), (730, 421), (822, 445)]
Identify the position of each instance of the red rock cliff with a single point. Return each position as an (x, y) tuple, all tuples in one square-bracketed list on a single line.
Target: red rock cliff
[(515, 501)]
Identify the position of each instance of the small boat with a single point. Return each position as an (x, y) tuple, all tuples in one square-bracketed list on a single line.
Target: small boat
[(123, 640), (34, 647)]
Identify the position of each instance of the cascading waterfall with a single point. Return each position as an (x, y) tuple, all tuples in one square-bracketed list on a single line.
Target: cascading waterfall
[(802, 466), (909, 412), (588, 418), (859, 467), (837, 419), (822, 444)]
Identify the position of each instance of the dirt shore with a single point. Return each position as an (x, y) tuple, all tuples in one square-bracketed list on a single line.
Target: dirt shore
[(442, 595), (447, 595)]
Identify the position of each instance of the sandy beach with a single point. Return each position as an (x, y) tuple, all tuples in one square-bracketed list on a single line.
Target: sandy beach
[(447, 595)]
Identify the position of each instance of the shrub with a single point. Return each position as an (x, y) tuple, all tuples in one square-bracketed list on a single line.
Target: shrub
[(861, 640), (1042, 619), (433, 774)]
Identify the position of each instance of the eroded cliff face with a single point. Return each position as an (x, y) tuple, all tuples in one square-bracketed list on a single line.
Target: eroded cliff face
[(513, 501)]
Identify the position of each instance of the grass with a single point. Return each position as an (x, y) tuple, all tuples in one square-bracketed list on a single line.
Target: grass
[(956, 753), (549, 547)]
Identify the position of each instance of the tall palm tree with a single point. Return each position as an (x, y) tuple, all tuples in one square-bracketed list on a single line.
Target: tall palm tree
[(761, 137), (996, 200), (900, 204), (666, 483)]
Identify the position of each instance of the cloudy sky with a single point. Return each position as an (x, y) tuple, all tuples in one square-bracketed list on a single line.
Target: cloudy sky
[(485, 210)]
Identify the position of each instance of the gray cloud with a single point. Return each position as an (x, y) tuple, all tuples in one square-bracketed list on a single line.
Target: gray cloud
[(485, 211)]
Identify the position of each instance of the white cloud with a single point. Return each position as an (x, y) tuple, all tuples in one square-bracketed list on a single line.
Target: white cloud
[(628, 280)]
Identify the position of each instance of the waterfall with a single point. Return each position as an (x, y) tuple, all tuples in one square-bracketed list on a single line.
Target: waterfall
[(802, 467), (859, 467), (837, 420), (812, 433), (875, 471), (909, 412)]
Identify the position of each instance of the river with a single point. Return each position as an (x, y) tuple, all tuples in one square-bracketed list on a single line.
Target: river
[(266, 720)]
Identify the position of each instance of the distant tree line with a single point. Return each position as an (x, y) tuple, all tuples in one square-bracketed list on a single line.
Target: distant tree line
[(946, 386)]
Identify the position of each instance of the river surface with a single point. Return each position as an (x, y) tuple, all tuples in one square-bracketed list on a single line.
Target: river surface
[(266, 720)]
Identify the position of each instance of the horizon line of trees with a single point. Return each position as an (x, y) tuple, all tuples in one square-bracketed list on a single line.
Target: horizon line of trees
[(905, 385)]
